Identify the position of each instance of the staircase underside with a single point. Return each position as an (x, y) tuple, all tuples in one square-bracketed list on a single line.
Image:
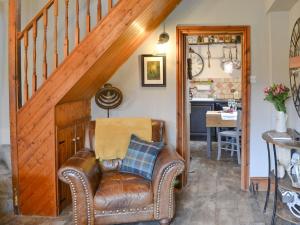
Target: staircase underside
[(89, 66)]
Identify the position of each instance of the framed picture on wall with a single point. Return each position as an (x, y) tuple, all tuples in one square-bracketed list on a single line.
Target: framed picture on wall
[(153, 70)]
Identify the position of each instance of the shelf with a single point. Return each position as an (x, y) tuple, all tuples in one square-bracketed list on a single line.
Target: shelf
[(285, 183), (286, 144), (214, 43), (284, 213)]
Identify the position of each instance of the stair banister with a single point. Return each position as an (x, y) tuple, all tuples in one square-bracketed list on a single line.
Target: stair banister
[(30, 54)]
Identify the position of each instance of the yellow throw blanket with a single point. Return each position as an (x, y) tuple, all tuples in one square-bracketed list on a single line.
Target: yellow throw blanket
[(112, 135)]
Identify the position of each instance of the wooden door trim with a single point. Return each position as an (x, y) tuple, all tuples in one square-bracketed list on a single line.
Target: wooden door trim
[(14, 94), (181, 139)]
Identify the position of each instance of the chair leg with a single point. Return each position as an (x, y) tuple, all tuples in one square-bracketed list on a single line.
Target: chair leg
[(238, 148), (164, 222), (219, 143), (232, 146)]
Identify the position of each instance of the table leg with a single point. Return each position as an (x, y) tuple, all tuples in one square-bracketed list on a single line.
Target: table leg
[(208, 138), (269, 179), (276, 188)]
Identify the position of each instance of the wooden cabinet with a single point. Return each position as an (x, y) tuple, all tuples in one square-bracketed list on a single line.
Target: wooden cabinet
[(198, 130), (197, 120), (71, 120), (70, 139)]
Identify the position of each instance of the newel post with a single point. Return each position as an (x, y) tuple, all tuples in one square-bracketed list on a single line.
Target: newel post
[(15, 97)]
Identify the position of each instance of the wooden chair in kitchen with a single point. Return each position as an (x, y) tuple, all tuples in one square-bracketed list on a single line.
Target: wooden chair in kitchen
[(229, 140)]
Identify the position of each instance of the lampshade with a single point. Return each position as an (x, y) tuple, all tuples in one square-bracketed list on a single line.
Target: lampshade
[(163, 38), (161, 46), (228, 67)]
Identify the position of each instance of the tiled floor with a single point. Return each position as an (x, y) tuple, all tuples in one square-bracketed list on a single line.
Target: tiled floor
[(212, 197)]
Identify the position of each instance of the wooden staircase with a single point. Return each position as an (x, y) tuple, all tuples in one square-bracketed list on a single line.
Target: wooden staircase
[(49, 110)]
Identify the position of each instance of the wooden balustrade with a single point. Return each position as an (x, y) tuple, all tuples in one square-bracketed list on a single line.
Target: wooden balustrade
[(45, 19), (110, 4), (55, 33), (99, 13), (26, 94), (77, 29), (88, 16), (66, 43), (34, 76), (32, 26)]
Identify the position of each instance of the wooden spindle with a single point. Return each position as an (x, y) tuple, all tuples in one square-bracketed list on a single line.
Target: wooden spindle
[(66, 43), (99, 7), (45, 19), (110, 5), (26, 95), (34, 77), (88, 17), (55, 33), (77, 29)]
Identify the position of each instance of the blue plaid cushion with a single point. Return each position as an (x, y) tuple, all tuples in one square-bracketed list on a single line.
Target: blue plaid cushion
[(141, 156)]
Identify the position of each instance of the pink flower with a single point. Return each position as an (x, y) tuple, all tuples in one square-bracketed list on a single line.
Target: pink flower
[(267, 90)]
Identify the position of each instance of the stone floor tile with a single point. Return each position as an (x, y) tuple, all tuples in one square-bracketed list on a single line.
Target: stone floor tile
[(212, 197)]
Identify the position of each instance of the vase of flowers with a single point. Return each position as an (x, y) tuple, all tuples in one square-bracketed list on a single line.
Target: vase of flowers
[(278, 94)]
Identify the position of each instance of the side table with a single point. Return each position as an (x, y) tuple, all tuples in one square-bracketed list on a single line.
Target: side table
[(279, 209)]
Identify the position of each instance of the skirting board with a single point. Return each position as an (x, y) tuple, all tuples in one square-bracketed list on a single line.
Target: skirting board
[(261, 183)]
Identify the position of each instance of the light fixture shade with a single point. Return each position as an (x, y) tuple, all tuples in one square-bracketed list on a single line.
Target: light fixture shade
[(163, 38), (228, 67)]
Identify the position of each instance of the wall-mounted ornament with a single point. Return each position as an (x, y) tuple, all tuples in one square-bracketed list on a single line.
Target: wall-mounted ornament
[(295, 65), (108, 97), (195, 64)]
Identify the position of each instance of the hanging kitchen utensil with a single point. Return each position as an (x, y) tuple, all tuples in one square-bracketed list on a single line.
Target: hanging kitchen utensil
[(223, 59), (208, 56), (108, 97), (236, 62)]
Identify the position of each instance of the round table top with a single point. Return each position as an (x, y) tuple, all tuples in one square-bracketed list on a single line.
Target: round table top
[(281, 139)]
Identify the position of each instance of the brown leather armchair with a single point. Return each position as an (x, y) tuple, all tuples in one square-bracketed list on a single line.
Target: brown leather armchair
[(102, 195)]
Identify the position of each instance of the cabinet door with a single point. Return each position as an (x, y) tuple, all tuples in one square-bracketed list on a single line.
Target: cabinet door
[(65, 148), (80, 135), (198, 120)]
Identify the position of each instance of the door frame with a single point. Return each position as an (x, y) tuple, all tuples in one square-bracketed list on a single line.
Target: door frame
[(181, 93)]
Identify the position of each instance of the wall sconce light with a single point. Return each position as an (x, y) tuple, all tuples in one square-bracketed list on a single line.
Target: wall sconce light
[(161, 45)]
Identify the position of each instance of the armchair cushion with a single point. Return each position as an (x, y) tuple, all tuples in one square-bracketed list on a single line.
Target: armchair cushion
[(141, 156), (118, 191)]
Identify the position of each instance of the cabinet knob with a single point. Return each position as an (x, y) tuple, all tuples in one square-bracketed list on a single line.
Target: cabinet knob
[(73, 139), (77, 138)]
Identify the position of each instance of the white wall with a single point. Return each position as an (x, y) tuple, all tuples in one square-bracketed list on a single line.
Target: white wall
[(161, 102), (4, 107)]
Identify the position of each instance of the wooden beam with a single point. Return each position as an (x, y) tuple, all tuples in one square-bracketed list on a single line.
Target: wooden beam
[(14, 76), (295, 62)]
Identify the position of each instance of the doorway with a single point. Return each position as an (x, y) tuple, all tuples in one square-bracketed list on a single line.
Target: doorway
[(182, 93)]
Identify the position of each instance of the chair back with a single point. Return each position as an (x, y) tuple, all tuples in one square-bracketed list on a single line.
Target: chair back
[(158, 135)]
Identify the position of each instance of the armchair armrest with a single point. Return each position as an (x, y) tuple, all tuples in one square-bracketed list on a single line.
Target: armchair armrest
[(167, 167), (82, 173)]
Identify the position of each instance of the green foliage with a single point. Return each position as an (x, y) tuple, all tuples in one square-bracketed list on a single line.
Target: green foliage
[(277, 94)]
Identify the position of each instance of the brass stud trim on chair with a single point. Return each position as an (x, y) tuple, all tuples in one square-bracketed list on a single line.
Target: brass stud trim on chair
[(171, 189), (90, 217)]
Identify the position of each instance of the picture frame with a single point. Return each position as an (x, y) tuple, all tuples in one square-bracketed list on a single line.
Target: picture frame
[(153, 70)]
